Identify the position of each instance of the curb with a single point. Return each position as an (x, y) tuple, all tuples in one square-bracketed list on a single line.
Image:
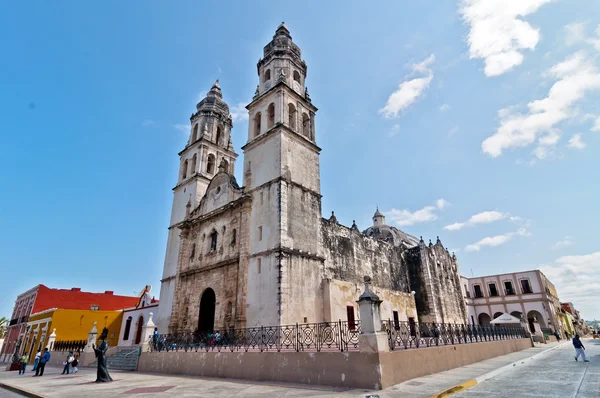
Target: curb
[(486, 376), (20, 391)]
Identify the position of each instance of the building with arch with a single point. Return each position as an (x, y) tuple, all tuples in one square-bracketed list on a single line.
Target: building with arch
[(134, 318), (261, 253), (529, 295)]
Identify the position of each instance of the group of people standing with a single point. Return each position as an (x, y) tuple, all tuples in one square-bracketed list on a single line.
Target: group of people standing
[(41, 358), (39, 364)]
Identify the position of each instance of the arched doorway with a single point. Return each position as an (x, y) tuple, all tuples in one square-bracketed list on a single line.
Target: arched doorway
[(484, 319), (517, 314), (206, 317), (497, 314), (127, 329), (535, 315), (138, 334)]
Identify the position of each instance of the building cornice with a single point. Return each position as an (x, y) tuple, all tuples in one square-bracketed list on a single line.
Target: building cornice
[(282, 86), (203, 141), (229, 261), (238, 202), (283, 128), (195, 176), (288, 251), (286, 180)]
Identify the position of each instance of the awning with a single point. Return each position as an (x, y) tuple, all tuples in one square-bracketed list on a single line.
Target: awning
[(505, 318)]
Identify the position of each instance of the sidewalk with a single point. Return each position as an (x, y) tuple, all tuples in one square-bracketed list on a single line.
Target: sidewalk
[(53, 384)]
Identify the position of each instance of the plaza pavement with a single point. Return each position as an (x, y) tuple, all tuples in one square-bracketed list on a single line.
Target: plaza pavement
[(548, 362)]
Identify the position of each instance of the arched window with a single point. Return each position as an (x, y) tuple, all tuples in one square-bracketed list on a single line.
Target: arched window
[(305, 125), (210, 165), (296, 76), (268, 75), (257, 124), (233, 236), (184, 169), (195, 135), (271, 115), (225, 164), (213, 240), (219, 134), (193, 251), (194, 161), (292, 116)]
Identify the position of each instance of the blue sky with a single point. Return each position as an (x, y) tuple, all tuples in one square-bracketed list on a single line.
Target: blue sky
[(477, 121)]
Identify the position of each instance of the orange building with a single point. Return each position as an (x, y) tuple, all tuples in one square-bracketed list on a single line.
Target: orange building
[(71, 313)]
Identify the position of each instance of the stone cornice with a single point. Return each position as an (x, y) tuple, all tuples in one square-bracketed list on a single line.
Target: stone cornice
[(283, 128), (238, 202), (287, 88), (191, 178), (204, 141), (278, 179), (288, 251), (168, 278), (229, 261)]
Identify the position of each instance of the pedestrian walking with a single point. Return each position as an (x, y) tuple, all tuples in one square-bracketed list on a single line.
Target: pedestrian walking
[(155, 339), (557, 335), (43, 360), (579, 348), (23, 363), (75, 362), (36, 361), (67, 363)]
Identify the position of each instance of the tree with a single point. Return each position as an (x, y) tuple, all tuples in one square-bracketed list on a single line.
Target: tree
[(3, 324)]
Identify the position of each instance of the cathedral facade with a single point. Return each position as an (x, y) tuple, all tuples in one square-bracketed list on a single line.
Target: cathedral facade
[(261, 253)]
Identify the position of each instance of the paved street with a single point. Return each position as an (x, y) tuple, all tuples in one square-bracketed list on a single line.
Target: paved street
[(550, 374), (555, 375)]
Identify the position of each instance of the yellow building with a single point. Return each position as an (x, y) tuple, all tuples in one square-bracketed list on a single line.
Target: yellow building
[(69, 326)]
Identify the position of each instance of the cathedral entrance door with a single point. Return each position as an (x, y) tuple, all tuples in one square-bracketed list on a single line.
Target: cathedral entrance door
[(206, 318)]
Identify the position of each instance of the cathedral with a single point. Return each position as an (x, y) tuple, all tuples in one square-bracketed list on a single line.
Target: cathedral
[(260, 252)]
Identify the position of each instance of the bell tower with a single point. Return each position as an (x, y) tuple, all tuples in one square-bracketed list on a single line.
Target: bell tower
[(281, 173), (208, 146)]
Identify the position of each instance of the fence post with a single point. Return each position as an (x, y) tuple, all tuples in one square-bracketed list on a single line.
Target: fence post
[(297, 339), (371, 338), (341, 336), (91, 338), (262, 336)]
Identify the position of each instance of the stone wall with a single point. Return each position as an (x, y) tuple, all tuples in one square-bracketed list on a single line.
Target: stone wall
[(343, 369)]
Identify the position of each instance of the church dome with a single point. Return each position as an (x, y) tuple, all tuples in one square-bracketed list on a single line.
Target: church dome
[(214, 101)]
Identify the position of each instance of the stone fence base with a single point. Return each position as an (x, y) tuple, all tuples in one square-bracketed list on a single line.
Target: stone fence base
[(57, 358), (341, 369)]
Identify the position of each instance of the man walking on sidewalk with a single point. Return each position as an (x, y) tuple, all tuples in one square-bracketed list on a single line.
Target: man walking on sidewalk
[(579, 348)]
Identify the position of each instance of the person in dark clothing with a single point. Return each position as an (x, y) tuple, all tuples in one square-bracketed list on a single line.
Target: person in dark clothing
[(557, 335), (579, 348), (43, 359)]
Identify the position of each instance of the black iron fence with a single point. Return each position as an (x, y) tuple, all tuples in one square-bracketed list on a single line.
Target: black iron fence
[(324, 336), (68, 345), (414, 335), (547, 331)]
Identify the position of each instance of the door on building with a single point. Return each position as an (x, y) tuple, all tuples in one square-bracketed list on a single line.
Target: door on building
[(138, 334), (206, 318)]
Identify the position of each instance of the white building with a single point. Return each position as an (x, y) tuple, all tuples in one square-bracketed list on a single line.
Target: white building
[(529, 294), (134, 319)]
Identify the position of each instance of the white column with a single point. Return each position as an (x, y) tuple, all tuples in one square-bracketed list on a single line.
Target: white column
[(147, 332), (92, 335), (51, 340), (372, 338)]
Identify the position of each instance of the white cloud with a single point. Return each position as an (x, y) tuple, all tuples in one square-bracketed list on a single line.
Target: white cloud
[(596, 125), (576, 76), (444, 108), (426, 214), (498, 34), (394, 130), (147, 122), (239, 112), (409, 91), (567, 241), (492, 241), (576, 279), (575, 33), (576, 143), (184, 128), (485, 217)]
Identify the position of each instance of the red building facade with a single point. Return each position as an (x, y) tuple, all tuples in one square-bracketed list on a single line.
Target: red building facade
[(41, 298)]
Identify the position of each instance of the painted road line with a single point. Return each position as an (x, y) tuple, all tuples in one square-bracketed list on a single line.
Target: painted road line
[(473, 382)]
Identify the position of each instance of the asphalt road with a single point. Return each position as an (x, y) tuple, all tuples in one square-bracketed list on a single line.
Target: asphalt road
[(554, 375), (8, 394)]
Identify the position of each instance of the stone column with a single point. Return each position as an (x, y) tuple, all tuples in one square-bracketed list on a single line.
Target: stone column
[(147, 332), (92, 335), (51, 340), (372, 338)]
